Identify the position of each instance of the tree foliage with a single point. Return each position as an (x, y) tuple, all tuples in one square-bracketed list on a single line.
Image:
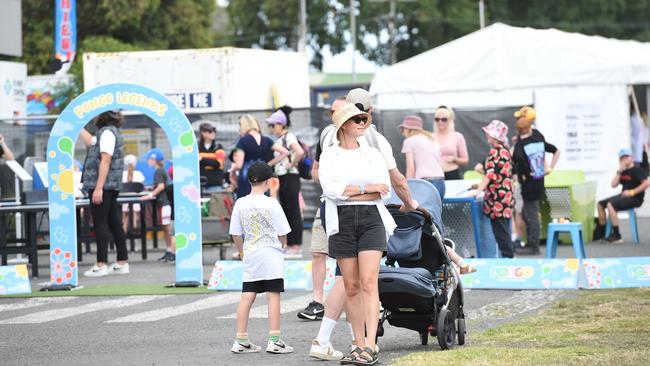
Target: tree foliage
[(121, 25), (117, 25)]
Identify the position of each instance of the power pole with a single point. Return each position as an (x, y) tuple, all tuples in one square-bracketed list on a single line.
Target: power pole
[(481, 13), (302, 42), (353, 38), (392, 30)]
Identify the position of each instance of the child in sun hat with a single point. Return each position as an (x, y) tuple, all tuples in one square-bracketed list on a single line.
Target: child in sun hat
[(259, 229), (497, 185)]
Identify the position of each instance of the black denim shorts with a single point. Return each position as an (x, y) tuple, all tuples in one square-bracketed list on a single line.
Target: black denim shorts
[(360, 228)]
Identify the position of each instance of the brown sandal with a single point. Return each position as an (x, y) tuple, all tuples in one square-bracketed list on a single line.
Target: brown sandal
[(367, 357), (351, 357)]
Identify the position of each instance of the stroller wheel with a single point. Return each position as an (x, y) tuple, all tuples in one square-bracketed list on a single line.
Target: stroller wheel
[(424, 338), (446, 329), (461, 331)]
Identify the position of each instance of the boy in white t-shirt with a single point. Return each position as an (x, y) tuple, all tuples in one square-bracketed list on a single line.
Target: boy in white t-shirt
[(259, 229)]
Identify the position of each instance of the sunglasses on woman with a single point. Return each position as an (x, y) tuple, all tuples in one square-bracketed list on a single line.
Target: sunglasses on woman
[(441, 119), (359, 119)]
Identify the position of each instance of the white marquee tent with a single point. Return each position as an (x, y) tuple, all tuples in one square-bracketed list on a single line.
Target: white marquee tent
[(577, 83), (504, 66)]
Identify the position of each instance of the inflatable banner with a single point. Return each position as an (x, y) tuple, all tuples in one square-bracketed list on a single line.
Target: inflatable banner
[(522, 274), (227, 275), (598, 273), (60, 158), (14, 280)]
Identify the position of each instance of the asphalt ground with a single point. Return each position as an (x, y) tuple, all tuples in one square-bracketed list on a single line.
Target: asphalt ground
[(199, 329)]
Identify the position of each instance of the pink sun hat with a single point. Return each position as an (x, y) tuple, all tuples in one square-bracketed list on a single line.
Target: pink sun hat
[(412, 123), (497, 130)]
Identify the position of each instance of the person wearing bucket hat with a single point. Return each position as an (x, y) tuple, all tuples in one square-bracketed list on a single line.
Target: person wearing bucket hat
[(355, 181), (289, 177), (634, 182), (422, 154), (497, 184), (530, 167)]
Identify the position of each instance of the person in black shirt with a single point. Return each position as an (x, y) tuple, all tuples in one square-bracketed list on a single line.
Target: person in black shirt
[(211, 156), (529, 159), (634, 181)]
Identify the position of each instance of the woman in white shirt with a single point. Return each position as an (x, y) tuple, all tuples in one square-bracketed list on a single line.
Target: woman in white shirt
[(355, 180)]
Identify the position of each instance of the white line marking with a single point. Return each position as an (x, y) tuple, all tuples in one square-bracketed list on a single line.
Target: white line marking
[(286, 306), (211, 302), (56, 314), (33, 302)]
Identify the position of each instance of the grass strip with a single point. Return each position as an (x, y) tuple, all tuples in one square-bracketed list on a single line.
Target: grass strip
[(600, 327), (119, 290)]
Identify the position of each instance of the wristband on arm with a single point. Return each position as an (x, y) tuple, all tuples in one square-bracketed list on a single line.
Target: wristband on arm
[(362, 189)]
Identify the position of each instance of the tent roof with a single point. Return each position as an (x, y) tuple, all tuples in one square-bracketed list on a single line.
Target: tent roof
[(501, 57)]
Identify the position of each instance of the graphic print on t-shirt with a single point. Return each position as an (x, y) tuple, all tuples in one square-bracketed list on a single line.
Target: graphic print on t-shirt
[(258, 223), (535, 154)]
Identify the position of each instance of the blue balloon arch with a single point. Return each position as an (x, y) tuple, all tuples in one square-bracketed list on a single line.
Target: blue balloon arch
[(60, 162)]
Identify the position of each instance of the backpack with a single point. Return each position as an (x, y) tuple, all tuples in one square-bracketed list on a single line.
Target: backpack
[(305, 164)]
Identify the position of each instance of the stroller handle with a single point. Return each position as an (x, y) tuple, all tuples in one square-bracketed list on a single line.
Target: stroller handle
[(421, 210)]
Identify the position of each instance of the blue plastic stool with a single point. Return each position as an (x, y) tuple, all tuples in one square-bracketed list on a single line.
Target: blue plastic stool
[(575, 228), (633, 228)]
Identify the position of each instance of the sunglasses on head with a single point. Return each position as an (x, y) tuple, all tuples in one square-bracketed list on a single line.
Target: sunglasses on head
[(359, 119), (360, 106), (441, 119)]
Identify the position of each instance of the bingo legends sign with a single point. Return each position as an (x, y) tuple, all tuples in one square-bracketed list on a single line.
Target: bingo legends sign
[(187, 194)]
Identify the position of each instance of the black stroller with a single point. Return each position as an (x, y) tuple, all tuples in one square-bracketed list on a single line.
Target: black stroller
[(424, 293)]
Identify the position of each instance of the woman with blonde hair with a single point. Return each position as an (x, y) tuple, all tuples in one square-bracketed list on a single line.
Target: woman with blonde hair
[(252, 147), (354, 179), (453, 148), (422, 154)]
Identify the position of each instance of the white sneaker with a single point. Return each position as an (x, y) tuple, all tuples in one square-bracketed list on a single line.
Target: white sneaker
[(327, 352), (119, 268), (96, 271), (248, 348), (278, 347)]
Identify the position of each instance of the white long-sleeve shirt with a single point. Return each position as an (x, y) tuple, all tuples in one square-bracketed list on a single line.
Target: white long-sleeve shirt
[(339, 168)]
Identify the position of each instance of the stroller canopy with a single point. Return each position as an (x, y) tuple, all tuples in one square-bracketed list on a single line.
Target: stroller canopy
[(427, 196)]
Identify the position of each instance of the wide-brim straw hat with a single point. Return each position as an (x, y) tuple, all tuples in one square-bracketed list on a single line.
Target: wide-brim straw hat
[(347, 111)]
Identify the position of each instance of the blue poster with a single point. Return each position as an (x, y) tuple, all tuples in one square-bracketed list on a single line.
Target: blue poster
[(522, 274), (65, 30), (60, 163), (14, 280)]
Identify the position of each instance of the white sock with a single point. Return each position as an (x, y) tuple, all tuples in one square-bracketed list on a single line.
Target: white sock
[(325, 331)]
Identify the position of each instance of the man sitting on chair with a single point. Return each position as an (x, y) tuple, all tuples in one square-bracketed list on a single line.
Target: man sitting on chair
[(634, 181)]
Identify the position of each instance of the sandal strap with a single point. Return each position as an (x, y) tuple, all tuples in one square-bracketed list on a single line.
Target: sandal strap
[(352, 355), (369, 359)]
